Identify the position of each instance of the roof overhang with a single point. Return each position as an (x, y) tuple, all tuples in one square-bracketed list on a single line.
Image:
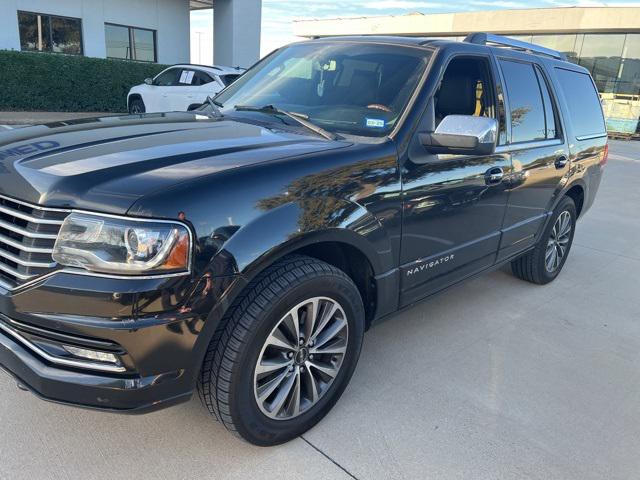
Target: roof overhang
[(200, 4), (538, 20)]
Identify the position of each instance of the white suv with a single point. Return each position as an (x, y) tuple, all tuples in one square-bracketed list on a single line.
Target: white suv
[(180, 87)]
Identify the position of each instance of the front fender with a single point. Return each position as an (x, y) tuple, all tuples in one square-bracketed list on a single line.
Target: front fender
[(279, 232), (294, 225)]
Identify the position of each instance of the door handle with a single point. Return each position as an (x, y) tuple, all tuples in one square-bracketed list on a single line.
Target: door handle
[(494, 175), (561, 161)]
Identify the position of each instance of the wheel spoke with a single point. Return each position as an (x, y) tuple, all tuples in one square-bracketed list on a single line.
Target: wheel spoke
[(278, 340), (336, 348), (282, 394), (295, 398), (552, 260), (549, 252), (292, 324), (565, 225), (268, 388), (327, 315), (561, 250), (313, 387), (330, 332), (269, 366), (327, 370), (313, 308)]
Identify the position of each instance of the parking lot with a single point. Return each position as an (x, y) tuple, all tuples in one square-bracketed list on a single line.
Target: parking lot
[(495, 378)]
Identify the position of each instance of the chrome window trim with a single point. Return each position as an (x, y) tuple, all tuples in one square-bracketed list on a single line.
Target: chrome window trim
[(591, 137), (59, 360), (514, 147)]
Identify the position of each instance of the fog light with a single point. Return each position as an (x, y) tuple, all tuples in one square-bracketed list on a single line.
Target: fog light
[(91, 354)]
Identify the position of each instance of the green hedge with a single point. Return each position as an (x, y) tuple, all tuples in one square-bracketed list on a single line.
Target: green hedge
[(68, 83)]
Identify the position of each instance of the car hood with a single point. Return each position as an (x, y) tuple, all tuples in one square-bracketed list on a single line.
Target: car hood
[(107, 164)]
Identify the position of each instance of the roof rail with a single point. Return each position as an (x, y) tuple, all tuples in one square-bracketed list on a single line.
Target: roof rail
[(500, 40)]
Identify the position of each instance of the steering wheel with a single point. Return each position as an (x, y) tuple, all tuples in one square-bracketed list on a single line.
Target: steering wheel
[(378, 106)]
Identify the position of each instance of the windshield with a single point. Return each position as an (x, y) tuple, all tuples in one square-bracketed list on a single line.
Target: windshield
[(351, 88)]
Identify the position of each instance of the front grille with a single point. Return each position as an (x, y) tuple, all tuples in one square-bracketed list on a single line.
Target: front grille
[(27, 236)]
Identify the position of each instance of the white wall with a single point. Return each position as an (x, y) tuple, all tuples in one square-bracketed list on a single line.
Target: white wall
[(170, 18), (237, 32)]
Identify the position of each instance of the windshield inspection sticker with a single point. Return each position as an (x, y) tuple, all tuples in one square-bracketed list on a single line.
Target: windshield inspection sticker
[(375, 122)]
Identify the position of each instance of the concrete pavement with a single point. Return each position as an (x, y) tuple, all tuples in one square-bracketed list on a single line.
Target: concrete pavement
[(495, 378)]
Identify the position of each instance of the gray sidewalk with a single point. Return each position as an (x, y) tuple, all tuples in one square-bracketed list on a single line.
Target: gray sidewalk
[(493, 379)]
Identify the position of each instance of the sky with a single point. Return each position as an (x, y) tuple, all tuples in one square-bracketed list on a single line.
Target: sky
[(278, 15)]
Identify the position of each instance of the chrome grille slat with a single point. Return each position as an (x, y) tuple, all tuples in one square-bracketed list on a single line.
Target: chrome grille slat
[(5, 285), (25, 263), (29, 218), (24, 248), (27, 236), (13, 272), (24, 232)]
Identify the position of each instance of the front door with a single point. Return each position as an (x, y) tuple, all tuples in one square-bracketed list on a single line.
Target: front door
[(454, 205)]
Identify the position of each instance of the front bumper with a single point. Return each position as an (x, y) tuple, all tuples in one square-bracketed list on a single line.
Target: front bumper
[(87, 389), (158, 328)]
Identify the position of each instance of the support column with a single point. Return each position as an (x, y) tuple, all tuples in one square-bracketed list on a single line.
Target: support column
[(236, 32)]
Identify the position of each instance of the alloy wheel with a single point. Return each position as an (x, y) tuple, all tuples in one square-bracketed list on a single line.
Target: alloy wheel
[(558, 241), (301, 358)]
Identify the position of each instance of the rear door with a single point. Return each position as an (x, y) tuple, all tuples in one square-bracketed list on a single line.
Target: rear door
[(538, 149)]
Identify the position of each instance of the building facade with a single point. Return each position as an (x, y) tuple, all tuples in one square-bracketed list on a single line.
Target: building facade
[(141, 30), (605, 40)]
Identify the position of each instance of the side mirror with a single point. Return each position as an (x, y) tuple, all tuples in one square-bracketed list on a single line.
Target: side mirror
[(462, 135), (148, 81)]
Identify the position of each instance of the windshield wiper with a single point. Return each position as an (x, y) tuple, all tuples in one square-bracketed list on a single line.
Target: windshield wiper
[(216, 106), (301, 118)]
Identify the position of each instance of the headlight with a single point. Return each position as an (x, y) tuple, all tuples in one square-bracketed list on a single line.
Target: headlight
[(122, 246)]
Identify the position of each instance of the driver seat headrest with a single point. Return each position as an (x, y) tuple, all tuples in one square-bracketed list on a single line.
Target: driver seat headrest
[(457, 95)]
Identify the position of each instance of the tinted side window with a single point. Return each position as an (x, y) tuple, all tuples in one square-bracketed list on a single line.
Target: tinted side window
[(583, 102), (228, 79), (201, 78), (166, 79), (525, 102)]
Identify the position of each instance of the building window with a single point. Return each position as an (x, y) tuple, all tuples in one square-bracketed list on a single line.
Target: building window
[(50, 33), (130, 43), (601, 55)]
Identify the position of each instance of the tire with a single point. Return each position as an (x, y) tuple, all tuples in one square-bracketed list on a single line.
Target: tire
[(231, 381), (136, 106), (533, 266)]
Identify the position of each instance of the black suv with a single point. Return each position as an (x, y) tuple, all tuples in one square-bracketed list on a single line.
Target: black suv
[(242, 249)]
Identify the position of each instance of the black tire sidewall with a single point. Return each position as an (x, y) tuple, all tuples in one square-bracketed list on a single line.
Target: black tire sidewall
[(250, 421), (566, 204)]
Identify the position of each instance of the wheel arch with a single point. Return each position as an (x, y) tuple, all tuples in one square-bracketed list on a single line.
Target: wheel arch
[(577, 192), (133, 96)]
